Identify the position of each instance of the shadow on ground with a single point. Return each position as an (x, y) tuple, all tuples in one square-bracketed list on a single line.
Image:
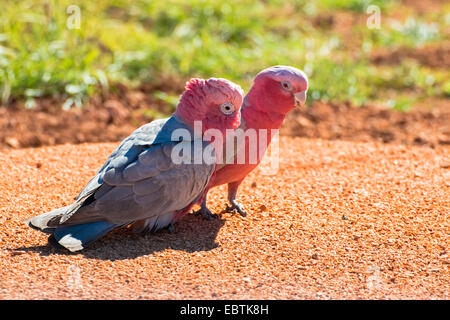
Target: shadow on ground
[(192, 234)]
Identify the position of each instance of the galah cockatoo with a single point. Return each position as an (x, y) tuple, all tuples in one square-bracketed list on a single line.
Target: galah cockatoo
[(140, 183), (275, 91)]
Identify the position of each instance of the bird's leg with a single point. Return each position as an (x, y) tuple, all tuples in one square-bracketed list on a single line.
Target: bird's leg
[(235, 206), (171, 228), (204, 211)]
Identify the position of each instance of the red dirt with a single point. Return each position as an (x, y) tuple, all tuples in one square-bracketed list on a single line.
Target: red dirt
[(341, 220), (434, 56), (343, 23), (428, 124), (102, 119), (116, 117), (425, 6)]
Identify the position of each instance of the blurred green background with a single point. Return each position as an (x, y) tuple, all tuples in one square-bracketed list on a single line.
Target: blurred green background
[(167, 42)]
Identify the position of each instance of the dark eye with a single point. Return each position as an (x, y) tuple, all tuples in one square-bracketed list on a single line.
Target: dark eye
[(227, 108), (286, 85)]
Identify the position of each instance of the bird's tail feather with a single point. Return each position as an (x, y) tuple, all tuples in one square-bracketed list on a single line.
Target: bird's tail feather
[(152, 224), (77, 237), (43, 222)]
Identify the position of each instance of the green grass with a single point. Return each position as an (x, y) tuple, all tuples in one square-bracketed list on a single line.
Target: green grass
[(133, 42), (355, 5)]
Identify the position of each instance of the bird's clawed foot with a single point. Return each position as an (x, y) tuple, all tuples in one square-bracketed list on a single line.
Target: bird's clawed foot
[(236, 208), (205, 213)]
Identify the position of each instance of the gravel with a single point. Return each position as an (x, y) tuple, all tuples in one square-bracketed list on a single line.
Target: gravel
[(295, 243)]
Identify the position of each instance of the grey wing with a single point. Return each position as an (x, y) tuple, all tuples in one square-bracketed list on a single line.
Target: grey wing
[(152, 185), (126, 152)]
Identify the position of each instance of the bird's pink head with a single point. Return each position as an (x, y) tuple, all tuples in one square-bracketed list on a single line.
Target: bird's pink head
[(215, 102), (278, 89)]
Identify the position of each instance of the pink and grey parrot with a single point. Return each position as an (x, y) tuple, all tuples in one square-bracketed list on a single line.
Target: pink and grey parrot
[(140, 184), (275, 91)]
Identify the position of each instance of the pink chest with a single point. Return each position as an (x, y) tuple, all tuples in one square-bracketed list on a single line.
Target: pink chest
[(232, 173)]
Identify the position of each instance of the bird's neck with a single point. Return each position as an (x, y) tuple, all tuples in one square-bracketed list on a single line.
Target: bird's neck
[(255, 115)]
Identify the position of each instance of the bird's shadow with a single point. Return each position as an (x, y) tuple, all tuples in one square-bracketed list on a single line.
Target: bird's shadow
[(191, 234)]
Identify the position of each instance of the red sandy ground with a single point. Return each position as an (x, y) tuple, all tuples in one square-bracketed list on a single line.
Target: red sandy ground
[(340, 220), (115, 118)]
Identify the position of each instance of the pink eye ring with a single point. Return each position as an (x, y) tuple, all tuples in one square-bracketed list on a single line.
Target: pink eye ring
[(227, 108), (286, 85)]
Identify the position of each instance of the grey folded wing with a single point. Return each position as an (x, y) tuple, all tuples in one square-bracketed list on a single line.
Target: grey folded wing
[(126, 152)]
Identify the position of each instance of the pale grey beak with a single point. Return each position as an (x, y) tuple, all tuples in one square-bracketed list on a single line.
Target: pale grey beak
[(300, 98)]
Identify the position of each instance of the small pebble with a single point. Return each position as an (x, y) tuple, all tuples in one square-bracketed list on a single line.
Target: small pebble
[(445, 165)]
